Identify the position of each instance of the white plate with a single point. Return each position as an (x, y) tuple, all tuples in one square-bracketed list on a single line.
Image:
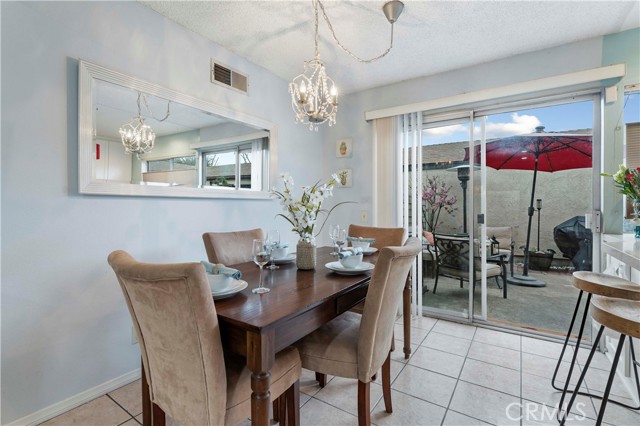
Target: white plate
[(369, 251), (235, 287), (362, 268), (287, 259)]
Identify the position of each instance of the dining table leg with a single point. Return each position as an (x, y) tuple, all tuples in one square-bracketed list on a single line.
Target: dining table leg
[(260, 359)]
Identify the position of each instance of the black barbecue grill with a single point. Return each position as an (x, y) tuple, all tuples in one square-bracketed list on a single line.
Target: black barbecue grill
[(575, 242)]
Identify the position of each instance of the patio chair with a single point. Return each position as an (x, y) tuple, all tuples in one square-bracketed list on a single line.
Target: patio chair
[(452, 260), (504, 236)]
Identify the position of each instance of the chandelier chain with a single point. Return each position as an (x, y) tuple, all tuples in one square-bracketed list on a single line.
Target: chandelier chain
[(347, 50), (146, 105)]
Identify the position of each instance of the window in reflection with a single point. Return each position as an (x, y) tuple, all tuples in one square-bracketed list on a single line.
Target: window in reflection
[(231, 167)]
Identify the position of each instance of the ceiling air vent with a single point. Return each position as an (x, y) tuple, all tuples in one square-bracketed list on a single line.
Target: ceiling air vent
[(221, 74)]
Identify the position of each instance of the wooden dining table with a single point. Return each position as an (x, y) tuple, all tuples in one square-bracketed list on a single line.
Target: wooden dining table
[(257, 326)]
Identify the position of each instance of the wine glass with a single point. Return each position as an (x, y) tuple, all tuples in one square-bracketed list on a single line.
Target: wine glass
[(273, 240), (261, 256), (333, 234), (341, 238)]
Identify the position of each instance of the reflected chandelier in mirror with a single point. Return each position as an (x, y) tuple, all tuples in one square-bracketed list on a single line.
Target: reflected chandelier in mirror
[(198, 149)]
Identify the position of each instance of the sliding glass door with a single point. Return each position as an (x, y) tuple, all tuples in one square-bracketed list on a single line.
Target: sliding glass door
[(502, 234)]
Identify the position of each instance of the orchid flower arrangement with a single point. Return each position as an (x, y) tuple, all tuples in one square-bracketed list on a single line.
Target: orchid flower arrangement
[(303, 213), (627, 180), (435, 197)]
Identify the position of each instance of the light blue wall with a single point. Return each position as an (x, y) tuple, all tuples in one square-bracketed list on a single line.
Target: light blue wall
[(618, 48), (351, 123), (65, 327)]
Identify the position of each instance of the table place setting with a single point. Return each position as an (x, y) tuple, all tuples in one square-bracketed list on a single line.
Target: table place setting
[(364, 244), (224, 281), (350, 262)]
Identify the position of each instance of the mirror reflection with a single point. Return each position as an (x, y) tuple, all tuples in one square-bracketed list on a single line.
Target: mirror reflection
[(172, 144), (138, 138)]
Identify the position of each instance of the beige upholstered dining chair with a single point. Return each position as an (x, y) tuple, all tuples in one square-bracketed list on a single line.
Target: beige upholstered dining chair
[(385, 237), (230, 248), (358, 346), (190, 377)]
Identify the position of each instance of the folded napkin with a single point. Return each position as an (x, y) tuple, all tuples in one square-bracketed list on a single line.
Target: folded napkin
[(219, 268), (351, 251), (362, 240)]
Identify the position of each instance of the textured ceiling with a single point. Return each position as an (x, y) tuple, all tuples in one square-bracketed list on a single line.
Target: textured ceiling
[(430, 36)]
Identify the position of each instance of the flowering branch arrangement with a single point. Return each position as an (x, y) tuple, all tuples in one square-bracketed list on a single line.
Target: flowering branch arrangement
[(627, 180), (303, 213), (435, 197)]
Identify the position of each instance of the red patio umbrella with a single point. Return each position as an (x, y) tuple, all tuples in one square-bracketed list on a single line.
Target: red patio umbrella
[(538, 151)]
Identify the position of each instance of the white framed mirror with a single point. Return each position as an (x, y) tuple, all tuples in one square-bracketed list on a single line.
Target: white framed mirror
[(199, 149)]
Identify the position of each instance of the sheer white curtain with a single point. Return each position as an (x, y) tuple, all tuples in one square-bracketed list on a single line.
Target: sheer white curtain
[(410, 141), (397, 191), (386, 163)]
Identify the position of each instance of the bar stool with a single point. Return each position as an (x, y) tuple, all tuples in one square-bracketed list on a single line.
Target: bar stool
[(619, 315), (601, 285)]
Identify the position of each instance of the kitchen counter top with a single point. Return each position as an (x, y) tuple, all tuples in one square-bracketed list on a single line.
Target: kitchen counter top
[(624, 247)]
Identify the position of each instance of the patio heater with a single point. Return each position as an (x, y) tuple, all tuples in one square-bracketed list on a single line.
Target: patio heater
[(463, 177), (539, 207)]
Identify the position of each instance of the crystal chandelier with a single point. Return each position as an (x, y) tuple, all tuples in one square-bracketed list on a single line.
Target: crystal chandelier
[(138, 137), (314, 96)]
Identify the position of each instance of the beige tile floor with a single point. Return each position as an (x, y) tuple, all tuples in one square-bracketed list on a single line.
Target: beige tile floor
[(457, 375)]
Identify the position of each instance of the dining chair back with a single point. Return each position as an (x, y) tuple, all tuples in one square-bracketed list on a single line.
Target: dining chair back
[(231, 248), (174, 317), (381, 305), (387, 237), (358, 346), (384, 236)]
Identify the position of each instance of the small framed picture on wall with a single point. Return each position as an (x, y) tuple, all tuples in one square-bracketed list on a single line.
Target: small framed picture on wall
[(345, 178), (344, 148)]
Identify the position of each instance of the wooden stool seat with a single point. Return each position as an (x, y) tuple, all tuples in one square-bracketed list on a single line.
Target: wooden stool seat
[(605, 285), (619, 315)]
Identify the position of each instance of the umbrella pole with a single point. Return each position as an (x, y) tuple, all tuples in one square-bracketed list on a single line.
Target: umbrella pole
[(525, 271), (525, 279)]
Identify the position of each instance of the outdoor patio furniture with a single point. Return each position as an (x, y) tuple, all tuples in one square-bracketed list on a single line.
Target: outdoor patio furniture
[(452, 260), (539, 151), (506, 244), (610, 286)]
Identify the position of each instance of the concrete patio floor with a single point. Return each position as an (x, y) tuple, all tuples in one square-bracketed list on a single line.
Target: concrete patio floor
[(544, 309)]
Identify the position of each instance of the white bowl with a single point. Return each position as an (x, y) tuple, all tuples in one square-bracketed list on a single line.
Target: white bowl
[(279, 253), (362, 244), (219, 282), (352, 261)]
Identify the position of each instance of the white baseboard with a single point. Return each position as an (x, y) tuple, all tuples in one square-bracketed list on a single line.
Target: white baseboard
[(76, 400)]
